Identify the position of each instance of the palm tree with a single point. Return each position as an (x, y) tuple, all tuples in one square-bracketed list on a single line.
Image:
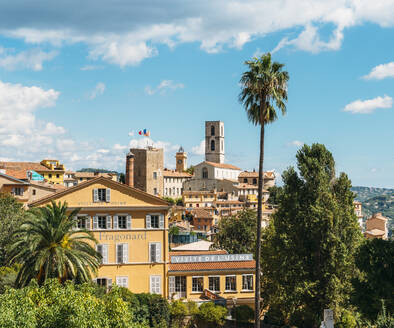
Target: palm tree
[(264, 88), (47, 246)]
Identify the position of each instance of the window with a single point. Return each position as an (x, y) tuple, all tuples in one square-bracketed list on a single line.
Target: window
[(205, 173), (154, 175), (102, 195), (231, 283), (83, 222), (254, 181), (165, 191), (197, 284), (221, 129), (154, 252), (212, 145), (122, 282), (247, 282), (214, 284), (103, 222), (103, 250), (17, 191), (34, 192), (245, 180), (104, 282), (49, 175), (58, 176), (155, 221), (80, 179), (122, 255), (155, 191), (122, 222), (155, 284), (212, 130)]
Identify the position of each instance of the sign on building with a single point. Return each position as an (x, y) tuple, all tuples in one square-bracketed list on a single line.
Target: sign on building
[(211, 258)]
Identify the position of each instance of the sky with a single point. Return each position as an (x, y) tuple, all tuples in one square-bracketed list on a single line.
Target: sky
[(78, 80)]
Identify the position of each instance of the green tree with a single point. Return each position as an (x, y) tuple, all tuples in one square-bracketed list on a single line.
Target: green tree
[(210, 315), (309, 247), (190, 170), (12, 215), (178, 311), (242, 313), (374, 259), (264, 90), (47, 246), (169, 200), (237, 233)]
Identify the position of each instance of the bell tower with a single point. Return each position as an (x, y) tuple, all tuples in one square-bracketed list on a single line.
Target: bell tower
[(214, 141), (181, 157)]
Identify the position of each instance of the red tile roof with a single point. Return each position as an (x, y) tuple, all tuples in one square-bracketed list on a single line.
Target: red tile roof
[(247, 174), (201, 213), (223, 165), (175, 174)]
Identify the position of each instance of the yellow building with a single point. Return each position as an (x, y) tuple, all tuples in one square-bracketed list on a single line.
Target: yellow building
[(131, 228), (54, 171), (212, 275)]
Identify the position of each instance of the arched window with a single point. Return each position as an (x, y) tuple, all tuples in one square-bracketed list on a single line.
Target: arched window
[(221, 129), (212, 145), (205, 173), (212, 130)]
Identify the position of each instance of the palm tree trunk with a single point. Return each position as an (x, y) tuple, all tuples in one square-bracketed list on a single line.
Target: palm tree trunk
[(258, 237)]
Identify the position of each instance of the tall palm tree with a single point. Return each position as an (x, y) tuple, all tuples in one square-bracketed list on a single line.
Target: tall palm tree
[(48, 246), (264, 89)]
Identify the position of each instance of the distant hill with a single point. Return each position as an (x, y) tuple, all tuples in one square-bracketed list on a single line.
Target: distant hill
[(90, 169), (364, 193)]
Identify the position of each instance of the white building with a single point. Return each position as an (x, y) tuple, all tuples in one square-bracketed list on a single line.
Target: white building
[(173, 183)]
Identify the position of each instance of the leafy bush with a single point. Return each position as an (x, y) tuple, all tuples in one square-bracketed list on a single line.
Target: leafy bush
[(242, 313), (178, 311), (211, 315), (347, 320), (158, 309)]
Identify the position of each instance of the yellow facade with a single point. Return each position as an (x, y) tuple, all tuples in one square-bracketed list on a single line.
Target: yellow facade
[(121, 221), (55, 171)]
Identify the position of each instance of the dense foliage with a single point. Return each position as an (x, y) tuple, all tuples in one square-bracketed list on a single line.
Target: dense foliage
[(242, 313), (309, 247), (47, 246), (11, 216), (210, 315), (237, 234), (376, 282)]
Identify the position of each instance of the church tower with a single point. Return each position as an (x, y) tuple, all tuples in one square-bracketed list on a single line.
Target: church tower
[(181, 158), (214, 141)]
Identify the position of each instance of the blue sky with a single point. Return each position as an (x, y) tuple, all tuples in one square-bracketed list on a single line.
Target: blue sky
[(76, 80)]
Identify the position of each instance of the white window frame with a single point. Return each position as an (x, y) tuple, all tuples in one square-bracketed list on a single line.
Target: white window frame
[(115, 221), (125, 253), (215, 291), (198, 277), (155, 289), (148, 220), (108, 280), (87, 221), (104, 253), (157, 252), (225, 283), (246, 275), (122, 281)]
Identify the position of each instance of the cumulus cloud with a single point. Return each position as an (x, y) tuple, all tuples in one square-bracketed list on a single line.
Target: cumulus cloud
[(296, 143), (381, 72), (200, 149), (90, 67), (128, 33), (30, 59), (97, 91), (163, 87), (368, 106)]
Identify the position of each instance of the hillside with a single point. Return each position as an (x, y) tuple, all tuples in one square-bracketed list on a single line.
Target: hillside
[(364, 193)]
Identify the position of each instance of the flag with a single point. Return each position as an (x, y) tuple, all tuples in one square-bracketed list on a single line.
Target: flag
[(144, 132)]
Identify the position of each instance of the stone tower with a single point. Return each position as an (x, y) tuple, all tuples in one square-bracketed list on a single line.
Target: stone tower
[(148, 170), (181, 158), (214, 141)]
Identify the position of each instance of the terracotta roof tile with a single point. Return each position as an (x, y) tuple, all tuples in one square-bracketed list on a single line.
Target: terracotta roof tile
[(92, 175), (175, 174), (180, 253), (23, 166), (248, 174), (223, 165), (201, 213)]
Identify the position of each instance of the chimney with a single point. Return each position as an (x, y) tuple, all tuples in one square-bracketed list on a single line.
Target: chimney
[(129, 180)]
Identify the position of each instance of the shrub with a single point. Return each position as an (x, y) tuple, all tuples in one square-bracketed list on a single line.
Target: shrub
[(211, 315), (242, 313), (158, 309), (178, 311)]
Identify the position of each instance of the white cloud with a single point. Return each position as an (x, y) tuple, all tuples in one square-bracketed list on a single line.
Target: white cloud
[(296, 143), (163, 87), (381, 72), (119, 147), (200, 149), (127, 34), (90, 68), (103, 151), (368, 106), (97, 91), (29, 59)]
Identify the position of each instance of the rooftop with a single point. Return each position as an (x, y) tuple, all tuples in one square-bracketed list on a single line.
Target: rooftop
[(254, 174), (175, 174), (222, 165), (201, 245)]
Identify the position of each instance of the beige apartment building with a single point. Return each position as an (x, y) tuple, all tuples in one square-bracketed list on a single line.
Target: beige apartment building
[(173, 182), (376, 227)]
